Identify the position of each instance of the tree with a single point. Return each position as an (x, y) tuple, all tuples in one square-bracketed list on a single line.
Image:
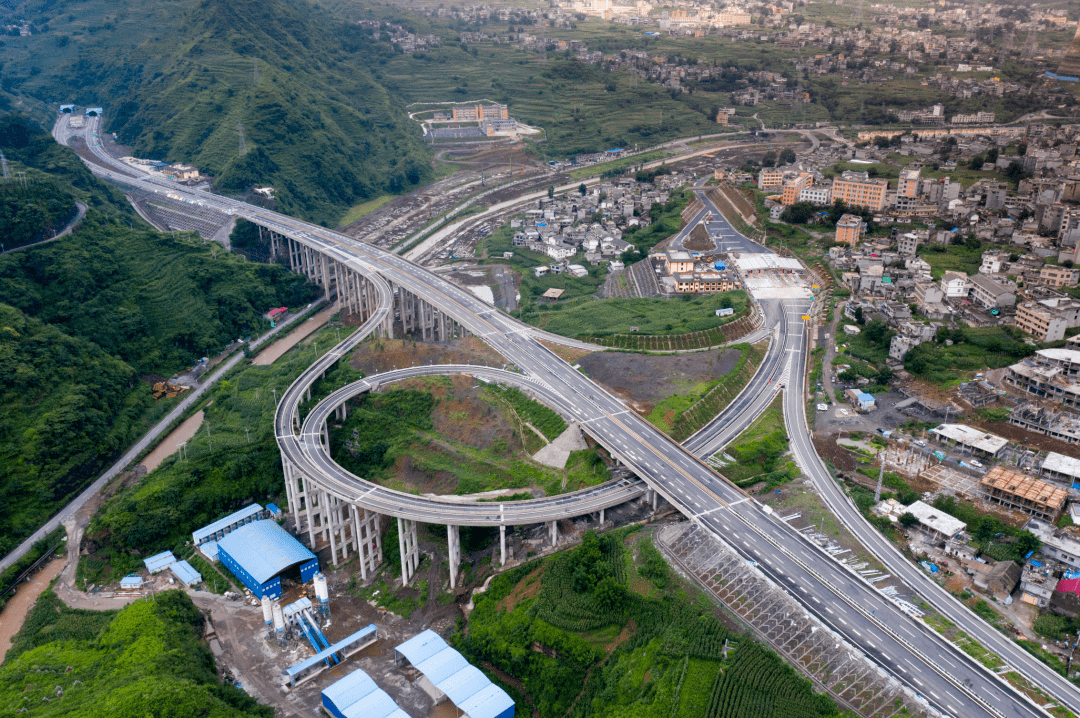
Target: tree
[(582, 189), (769, 160), (551, 191), (798, 213), (877, 331), (908, 519), (859, 316), (610, 595), (787, 156)]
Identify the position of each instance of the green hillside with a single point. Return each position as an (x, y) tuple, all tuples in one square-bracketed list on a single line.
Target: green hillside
[(87, 320), (146, 659), (177, 78)]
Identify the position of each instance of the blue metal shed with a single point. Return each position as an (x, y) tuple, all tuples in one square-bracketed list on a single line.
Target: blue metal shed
[(258, 552), (357, 696), (420, 647), (132, 582), (186, 573), (489, 702), (337, 697), (223, 526), (447, 673), (159, 562)]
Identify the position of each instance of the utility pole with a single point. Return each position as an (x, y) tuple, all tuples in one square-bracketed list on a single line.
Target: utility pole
[(240, 129), (3, 164), (255, 63), (881, 474)]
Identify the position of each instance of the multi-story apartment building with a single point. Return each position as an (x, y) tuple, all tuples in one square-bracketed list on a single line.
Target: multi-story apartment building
[(955, 285), (466, 113), (859, 190), (908, 185), (769, 178), (991, 293), (908, 243), (849, 229), (794, 184), (1054, 276), (1045, 323), (927, 293), (819, 196)]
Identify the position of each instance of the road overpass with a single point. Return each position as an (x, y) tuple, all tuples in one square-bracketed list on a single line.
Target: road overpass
[(387, 289)]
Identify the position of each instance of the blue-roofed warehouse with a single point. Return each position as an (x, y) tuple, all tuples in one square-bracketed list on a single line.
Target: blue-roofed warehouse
[(223, 526), (260, 552), (357, 696), (186, 573), (446, 674)]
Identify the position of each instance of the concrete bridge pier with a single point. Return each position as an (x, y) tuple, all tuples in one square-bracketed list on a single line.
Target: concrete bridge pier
[(368, 539), (337, 527), (453, 540), (410, 550), (502, 544), (554, 533), (295, 493)]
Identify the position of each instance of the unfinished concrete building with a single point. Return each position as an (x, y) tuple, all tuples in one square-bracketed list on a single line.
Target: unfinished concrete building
[(1042, 420), (1026, 493)]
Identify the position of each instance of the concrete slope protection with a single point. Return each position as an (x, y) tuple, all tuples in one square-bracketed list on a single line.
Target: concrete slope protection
[(385, 287)]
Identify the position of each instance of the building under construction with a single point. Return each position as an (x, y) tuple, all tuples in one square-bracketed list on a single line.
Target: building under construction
[(1020, 491), (1059, 425)]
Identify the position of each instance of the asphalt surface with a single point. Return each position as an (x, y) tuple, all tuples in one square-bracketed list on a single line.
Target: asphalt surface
[(758, 394), (908, 649), (726, 238)]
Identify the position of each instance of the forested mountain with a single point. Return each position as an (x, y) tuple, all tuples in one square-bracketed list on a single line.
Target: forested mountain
[(146, 659), (177, 79), (85, 319)]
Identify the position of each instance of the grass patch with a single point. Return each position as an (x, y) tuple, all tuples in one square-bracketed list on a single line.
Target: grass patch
[(363, 209), (598, 319)]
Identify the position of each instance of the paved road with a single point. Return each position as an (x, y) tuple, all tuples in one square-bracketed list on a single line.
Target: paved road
[(725, 236), (911, 651), (311, 443), (80, 212), (758, 394), (144, 443), (900, 566)]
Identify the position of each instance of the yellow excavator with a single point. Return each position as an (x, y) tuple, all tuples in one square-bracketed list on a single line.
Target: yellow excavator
[(167, 390)]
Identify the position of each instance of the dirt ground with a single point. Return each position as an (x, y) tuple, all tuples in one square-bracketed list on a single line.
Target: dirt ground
[(567, 354), (274, 351), (374, 357), (699, 240), (645, 380), (171, 443), (15, 610)]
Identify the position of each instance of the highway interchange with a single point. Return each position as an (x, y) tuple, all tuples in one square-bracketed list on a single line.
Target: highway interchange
[(953, 683)]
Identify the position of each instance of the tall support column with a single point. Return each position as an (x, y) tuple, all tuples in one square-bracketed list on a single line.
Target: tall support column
[(290, 489), (502, 544), (328, 527), (308, 493), (601, 510), (654, 495), (554, 534), (453, 540), (410, 550), (326, 261)]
